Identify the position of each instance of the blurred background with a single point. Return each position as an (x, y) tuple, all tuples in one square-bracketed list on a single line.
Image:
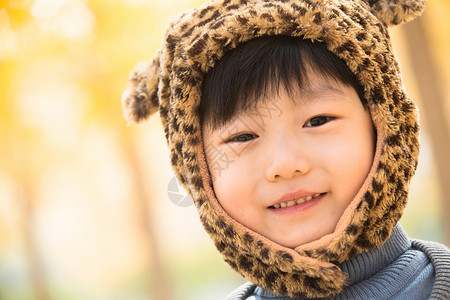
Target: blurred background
[(88, 205)]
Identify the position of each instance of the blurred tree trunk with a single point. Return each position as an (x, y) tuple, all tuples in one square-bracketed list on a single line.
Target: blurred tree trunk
[(145, 220), (433, 99), (35, 264), (25, 168)]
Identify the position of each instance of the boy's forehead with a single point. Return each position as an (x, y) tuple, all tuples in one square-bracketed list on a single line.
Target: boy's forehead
[(315, 86)]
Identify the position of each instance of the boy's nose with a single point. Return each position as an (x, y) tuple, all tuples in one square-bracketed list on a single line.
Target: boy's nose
[(287, 159)]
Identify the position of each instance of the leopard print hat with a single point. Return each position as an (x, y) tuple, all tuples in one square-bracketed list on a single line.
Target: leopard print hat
[(355, 31)]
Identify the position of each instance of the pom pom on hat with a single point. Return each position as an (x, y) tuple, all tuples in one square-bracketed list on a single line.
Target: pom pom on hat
[(140, 99), (394, 12)]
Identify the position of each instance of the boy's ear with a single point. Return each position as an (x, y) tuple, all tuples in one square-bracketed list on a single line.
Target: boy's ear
[(140, 99), (393, 12)]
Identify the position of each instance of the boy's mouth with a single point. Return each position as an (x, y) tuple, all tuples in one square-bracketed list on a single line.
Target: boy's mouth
[(294, 201)]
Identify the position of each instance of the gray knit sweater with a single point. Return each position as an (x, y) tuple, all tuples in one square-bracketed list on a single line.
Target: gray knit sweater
[(400, 269)]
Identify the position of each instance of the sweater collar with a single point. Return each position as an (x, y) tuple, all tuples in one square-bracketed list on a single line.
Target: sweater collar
[(367, 264)]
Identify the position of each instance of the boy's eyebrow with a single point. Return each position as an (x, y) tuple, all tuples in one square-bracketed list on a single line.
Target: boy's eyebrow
[(315, 91)]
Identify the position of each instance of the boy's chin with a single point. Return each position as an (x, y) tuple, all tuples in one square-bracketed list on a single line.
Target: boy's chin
[(301, 240)]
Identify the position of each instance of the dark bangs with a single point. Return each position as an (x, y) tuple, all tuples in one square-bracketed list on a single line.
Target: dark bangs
[(246, 74)]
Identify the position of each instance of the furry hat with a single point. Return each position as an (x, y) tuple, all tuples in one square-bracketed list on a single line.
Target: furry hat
[(355, 31)]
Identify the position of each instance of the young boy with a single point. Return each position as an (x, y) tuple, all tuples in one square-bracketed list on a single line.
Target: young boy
[(288, 125)]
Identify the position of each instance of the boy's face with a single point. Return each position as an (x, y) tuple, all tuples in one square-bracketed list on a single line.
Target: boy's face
[(290, 167)]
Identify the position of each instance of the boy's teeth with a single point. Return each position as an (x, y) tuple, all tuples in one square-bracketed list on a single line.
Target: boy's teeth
[(294, 202), (291, 203)]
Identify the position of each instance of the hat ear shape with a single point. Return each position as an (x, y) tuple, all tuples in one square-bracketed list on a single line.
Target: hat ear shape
[(393, 12), (140, 99)]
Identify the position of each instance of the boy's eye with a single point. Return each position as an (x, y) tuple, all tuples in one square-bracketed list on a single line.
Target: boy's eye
[(245, 137), (318, 121)]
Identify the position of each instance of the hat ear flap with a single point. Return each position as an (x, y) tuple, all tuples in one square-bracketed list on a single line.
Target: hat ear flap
[(393, 12), (140, 99)]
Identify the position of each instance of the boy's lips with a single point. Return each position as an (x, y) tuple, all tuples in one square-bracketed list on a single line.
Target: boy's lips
[(291, 199)]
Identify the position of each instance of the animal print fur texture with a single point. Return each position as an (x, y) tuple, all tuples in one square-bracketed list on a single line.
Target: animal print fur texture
[(354, 30)]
